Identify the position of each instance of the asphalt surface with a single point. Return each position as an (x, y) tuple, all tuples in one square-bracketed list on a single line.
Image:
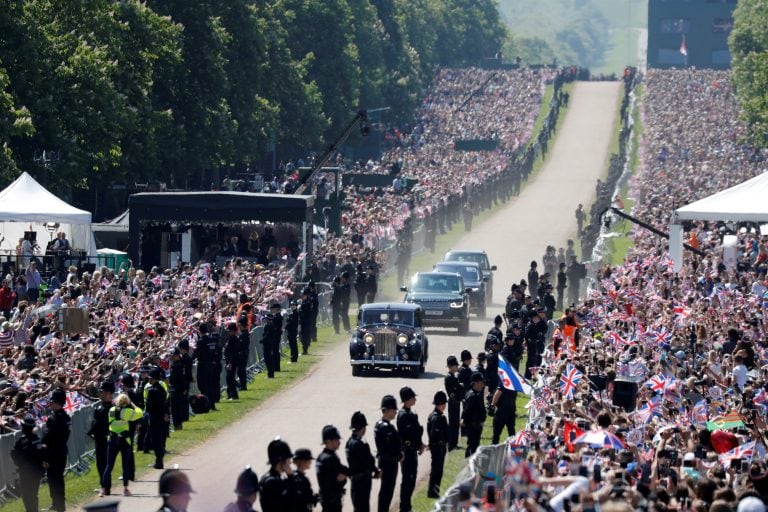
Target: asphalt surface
[(514, 235)]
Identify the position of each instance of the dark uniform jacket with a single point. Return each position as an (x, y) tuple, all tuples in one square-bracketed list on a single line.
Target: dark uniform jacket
[(454, 388), (157, 405), (465, 376), (177, 377), (244, 345), (100, 423), (28, 455), (207, 349), (409, 429), (437, 429), (304, 498), (328, 467), (361, 462), (388, 446), (56, 436), (232, 351), (292, 322), (473, 411), (276, 493)]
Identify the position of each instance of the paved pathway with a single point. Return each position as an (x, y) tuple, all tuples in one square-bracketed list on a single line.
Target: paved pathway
[(513, 236)]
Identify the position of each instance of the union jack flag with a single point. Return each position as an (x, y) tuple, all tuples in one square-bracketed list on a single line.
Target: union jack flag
[(681, 314), (651, 409), (74, 402), (661, 335), (569, 380), (522, 438), (745, 451), (657, 383)]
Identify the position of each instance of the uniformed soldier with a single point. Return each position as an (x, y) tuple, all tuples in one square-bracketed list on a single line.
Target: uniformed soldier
[(55, 442), (455, 391), (482, 357), (29, 455), (158, 414), (437, 432), (504, 405), (411, 438), (143, 438), (99, 430), (175, 489), (247, 490), (305, 498), (292, 330), (388, 451), (244, 344), (473, 413), (205, 353), (362, 465), (533, 277), (277, 490), (305, 321), (331, 473), (120, 416), (231, 360), (271, 340)]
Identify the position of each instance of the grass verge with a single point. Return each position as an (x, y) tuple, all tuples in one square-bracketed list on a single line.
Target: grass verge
[(200, 428)]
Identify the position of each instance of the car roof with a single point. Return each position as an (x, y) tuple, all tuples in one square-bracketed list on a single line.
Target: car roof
[(455, 263), (466, 251), (438, 274), (402, 306)]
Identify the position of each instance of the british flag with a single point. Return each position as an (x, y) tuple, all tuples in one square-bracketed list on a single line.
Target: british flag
[(648, 411), (745, 451), (681, 314), (74, 402), (657, 383), (522, 438), (660, 335), (570, 380)]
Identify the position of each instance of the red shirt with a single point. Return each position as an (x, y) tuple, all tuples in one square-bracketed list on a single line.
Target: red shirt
[(6, 298)]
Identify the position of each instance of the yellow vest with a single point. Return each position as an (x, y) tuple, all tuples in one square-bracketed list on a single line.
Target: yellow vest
[(120, 417)]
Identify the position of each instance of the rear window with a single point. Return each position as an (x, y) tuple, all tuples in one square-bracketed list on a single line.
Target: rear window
[(435, 283), (387, 316), (468, 273), (480, 258)]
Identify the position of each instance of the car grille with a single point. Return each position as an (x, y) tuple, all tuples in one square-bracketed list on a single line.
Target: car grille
[(385, 344)]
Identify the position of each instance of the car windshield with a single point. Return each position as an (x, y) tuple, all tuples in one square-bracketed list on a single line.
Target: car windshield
[(436, 283), (387, 316), (477, 257), (469, 273)]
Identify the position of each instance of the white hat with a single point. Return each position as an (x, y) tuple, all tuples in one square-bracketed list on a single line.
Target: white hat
[(689, 457), (751, 504)]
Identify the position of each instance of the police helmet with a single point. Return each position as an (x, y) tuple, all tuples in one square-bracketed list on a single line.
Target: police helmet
[(440, 398), (452, 361), (406, 393), (358, 421), (247, 482), (278, 450), (388, 402), (173, 481)]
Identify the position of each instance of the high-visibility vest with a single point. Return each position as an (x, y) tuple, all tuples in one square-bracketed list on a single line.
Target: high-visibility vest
[(119, 418)]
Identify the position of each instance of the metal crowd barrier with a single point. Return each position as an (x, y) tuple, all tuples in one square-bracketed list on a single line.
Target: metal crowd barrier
[(486, 460)]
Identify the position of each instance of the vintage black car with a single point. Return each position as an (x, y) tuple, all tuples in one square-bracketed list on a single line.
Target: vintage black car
[(473, 279), (443, 297), (478, 257), (389, 335)]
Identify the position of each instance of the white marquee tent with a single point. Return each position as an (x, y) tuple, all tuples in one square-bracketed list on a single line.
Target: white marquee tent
[(25, 205), (745, 202)]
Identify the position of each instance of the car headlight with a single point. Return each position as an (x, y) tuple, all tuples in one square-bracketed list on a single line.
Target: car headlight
[(459, 304), (368, 339), (402, 339), (475, 289)]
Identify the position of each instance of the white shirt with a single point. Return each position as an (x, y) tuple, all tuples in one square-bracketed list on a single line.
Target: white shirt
[(739, 373)]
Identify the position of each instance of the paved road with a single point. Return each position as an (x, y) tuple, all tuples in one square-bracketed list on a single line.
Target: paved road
[(543, 214)]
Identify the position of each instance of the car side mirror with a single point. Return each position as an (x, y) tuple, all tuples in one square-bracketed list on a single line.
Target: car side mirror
[(467, 290), (403, 289), (493, 267)]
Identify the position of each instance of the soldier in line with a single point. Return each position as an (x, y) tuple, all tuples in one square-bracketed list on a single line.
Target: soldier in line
[(158, 414), (331, 473), (55, 442), (305, 321), (277, 487), (232, 360), (247, 490), (175, 489), (292, 330), (362, 465), (28, 454), (455, 392), (99, 430), (244, 345), (389, 451), (305, 498), (437, 433), (411, 433), (473, 413)]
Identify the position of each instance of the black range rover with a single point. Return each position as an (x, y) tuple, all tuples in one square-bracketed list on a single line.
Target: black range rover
[(389, 335), (443, 297)]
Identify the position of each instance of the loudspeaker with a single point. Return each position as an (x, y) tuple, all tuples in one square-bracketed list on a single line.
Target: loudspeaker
[(598, 382), (625, 393)]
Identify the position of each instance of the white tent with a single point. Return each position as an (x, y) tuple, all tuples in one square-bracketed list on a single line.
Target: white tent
[(745, 202), (25, 205)]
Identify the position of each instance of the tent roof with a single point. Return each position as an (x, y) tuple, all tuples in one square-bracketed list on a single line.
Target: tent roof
[(25, 200), (744, 202)]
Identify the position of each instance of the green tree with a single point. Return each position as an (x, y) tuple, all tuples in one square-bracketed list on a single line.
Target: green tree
[(749, 50), (15, 121)]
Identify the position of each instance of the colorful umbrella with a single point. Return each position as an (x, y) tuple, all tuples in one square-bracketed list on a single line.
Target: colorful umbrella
[(600, 438)]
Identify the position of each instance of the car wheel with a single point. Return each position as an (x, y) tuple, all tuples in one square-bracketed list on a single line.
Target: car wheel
[(357, 370), (422, 366), (464, 327)]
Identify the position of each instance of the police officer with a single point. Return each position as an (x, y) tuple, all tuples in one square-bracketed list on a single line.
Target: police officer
[(482, 357), (232, 360), (305, 321), (175, 489), (99, 430), (492, 366), (305, 498), (120, 416), (158, 414), (336, 294), (271, 340), (372, 283), (244, 345), (389, 451), (533, 277), (361, 285), (494, 332), (362, 465), (206, 353), (129, 388), (277, 488), (177, 381), (411, 438), (535, 333), (247, 490), (473, 413), (143, 439), (187, 362), (437, 432), (465, 370), (549, 301), (292, 330), (455, 391), (28, 454), (331, 473), (55, 442), (346, 292), (504, 405)]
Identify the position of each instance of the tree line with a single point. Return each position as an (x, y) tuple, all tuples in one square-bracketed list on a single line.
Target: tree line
[(117, 92)]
